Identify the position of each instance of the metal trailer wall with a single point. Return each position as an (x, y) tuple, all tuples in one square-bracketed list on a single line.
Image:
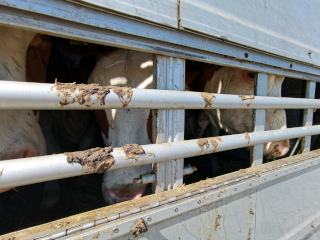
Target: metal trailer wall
[(257, 203)]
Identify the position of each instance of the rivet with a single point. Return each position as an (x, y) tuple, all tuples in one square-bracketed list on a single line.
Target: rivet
[(250, 184), (149, 219), (295, 168), (276, 174), (219, 194), (236, 189), (309, 52), (199, 201), (176, 209), (265, 178), (311, 162), (115, 230)]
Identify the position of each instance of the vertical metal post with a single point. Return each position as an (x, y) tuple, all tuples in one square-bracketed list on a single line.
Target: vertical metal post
[(308, 116), (170, 75), (259, 117)]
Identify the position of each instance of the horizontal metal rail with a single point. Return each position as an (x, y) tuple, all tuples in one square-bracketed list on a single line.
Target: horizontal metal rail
[(26, 171), (22, 95)]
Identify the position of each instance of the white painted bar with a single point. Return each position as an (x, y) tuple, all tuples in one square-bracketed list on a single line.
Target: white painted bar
[(19, 172), (259, 117), (169, 73), (40, 96), (308, 116)]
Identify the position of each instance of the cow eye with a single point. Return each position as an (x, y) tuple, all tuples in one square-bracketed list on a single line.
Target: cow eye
[(248, 75), (251, 74)]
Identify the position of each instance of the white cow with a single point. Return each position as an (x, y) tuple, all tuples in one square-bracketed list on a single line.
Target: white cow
[(228, 80), (120, 127), (20, 133)]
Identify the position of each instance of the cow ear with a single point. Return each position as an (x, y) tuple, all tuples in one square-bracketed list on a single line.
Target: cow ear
[(38, 56)]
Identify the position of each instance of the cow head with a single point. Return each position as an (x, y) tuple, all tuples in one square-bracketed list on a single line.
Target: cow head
[(120, 126), (228, 80), (20, 133)]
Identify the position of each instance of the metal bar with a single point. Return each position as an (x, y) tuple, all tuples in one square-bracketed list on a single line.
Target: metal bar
[(22, 95), (169, 73), (54, 18), (19, 172), (259, 117), (308, 116)]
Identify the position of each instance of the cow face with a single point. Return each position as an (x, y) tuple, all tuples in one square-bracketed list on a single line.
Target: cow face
[(241, 82), (122, 126)]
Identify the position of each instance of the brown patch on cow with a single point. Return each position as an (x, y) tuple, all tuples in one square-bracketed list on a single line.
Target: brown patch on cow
[(122, 92), (203, 142), (84, 95), (214, 143), (98, 159), (133, 150), (246, 136), (101, 117), (245, 97), (207, 97), (140, 227), (149, 126)]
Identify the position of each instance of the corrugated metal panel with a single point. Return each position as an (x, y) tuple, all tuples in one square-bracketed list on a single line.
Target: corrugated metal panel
[(287, 28), (157, 11)]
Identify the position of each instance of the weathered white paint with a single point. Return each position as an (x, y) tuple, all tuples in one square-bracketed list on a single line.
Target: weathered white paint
[(169, 73), (284, 28), (157, 11)]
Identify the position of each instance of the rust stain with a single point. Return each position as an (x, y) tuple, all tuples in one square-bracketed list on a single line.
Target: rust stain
[(1, 171), (246, 136), (249, 234), (208, 98), (99, 159), (132, 151), (251, 212), (203, 142), (217, 223), (140, 227)]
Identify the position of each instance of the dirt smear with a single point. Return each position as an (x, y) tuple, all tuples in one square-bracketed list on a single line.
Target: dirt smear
[(133, 150), (214, 143), (244, 97), (124, 94), (97, 159), (203, 142), (246, 136), (82, 93), (140, 227), (249, 234), (208, 98), (217, 223)]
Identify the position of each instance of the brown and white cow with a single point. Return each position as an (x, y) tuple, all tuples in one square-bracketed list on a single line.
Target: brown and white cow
[(120, 127), (20, 133), (227, 80)]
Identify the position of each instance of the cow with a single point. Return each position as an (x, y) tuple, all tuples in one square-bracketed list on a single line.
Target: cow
[(227, 80), (119, 127), (20, 133)]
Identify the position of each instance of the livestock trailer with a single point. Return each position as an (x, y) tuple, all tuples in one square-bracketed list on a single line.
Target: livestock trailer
[(274, 200)]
